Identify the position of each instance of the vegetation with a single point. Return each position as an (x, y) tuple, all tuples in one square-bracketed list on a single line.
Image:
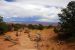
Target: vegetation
[(3, 26), (16, 26), (38, 27), (66, 27)]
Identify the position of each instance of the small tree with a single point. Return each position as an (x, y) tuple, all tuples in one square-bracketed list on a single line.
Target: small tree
[(30, 26), (66, 29), (16, 26), (40, 27), (1, 19), (3, 26)]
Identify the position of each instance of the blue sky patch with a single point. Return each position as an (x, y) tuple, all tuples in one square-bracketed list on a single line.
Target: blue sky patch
[(9, 0)]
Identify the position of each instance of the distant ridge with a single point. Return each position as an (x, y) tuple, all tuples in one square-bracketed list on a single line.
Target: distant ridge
[(34, 22)]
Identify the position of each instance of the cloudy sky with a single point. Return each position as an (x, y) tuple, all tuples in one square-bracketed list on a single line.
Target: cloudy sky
[(32, 10)]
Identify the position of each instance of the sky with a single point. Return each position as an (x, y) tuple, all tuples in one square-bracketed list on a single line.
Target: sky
[(32, 10)]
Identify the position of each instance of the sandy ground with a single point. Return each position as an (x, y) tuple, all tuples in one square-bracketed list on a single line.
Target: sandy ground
[(24, 43)]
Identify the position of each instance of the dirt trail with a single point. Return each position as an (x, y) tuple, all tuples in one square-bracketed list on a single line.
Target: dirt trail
[(24, 43)]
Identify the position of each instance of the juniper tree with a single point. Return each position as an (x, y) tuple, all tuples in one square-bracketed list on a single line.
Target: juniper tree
[(3, 26), (66, 30)]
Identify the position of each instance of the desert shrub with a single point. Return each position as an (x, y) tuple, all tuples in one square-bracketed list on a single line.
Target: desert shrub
[(49, 26), (16, 26), (35, 26), (56, 30), (40, 27), (30, 26)]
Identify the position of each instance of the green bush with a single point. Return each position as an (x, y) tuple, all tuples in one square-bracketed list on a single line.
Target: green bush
[(3, 28)]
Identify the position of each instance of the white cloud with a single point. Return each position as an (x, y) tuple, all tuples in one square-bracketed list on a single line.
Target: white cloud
[(46, 2), (47, 9)]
